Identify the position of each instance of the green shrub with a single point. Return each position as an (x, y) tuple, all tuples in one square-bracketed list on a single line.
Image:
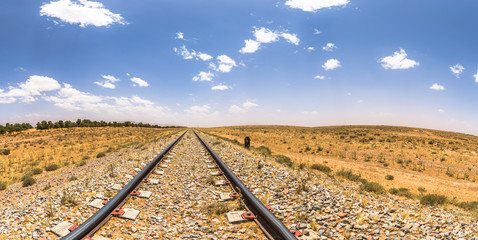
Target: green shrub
[(283, 160), (302, 166), (28, 180), (218, 208), (422, 190), (3, 186), (433, 199), (372, 187), (101, 154), (51, 167), (37, 171), (321, 167), (68, 199), (72, 178), (349, 175), (404, 192), (263, 150), (389, 177), (470, 206), (85, 158)]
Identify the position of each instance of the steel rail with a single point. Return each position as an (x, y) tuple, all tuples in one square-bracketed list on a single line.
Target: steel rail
[(93, 223), (274, 227)]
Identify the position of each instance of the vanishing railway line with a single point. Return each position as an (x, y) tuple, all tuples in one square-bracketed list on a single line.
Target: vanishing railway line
[(271, 226)]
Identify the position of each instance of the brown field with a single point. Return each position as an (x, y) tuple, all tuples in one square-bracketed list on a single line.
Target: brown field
[(441, 162), (37, 149)]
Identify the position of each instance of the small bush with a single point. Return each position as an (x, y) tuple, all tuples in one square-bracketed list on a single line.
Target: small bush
[(301, 166), (72, 178), (422, 190), (263, 150), (372, 187), (28, 180), (85, 158), (4, 151), (101, 154), (470, 206), (3, 186), (321, 167), (284, 160), (217, 208), (389, 177), (210, 180), (68, 199), (433, 199), (51, 167), (404, 192), (37, 171), (349, 175), (82, 163)]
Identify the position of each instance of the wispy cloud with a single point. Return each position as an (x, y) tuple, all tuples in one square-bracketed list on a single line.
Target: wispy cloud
[(221, 87), (457, 70), (138, 82), (107, 82), (329, 47), (191, 54), (265, 36), (203, 76)]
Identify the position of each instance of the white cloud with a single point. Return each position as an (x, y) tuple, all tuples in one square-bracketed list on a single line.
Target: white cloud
[(310, 49), (359, 101), (179, 35), (437, 87), (204, 56), (221, 87), (316, 31), (441, 110), (310, 112), (26, 91), (476, 76), (399, 60), (329, 47), (291, 38), (457, 70), (107, 82), (225, 63), (186, 54), (198, 109), (81, 12), (319, 77), (331, 64), (250, 47), (72, 99), (236, 109), (314, 5), (203, 76), (264, 35), (139, 82)]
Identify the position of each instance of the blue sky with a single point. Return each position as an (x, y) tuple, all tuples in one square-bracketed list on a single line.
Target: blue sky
[(214, 63)]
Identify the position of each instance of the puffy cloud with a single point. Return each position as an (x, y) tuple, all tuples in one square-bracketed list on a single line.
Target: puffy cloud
[(314, 5), (198, 109), (329, 47), (81, 12), (437, 87), (264, 35), (221, 87), (107, 82), (179, 35), (476, 76), (225, 63), (186, 54), (250, 47), (331, 64), (26, 91), (139, 82), (291, 38), (203, 76), (399, 60), (249, 104), (457, 70), (319, 77)]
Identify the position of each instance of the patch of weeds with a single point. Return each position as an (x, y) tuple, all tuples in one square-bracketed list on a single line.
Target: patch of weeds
[(321, 167)]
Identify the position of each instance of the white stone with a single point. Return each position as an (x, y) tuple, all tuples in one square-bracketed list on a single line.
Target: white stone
[(117, 187), (154, 181), (137, 169), (159, 172), (211, 166)]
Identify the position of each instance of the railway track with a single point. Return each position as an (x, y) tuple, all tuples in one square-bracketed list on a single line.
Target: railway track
[(255, 211)]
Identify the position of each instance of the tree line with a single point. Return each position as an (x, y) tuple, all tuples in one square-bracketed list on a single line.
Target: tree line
[(43, 125)]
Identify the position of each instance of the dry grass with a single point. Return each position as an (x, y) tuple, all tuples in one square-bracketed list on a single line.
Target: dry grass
[(33, 149), (441, 162)]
